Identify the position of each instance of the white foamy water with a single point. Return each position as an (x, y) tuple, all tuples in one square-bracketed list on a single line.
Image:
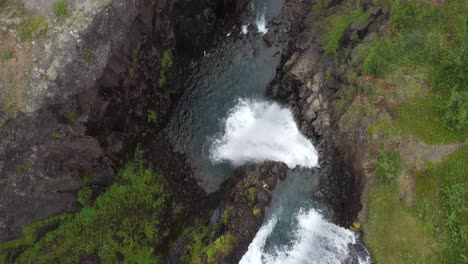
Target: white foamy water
[(257, 131), (315, 241), (244, 30), (261, 24)]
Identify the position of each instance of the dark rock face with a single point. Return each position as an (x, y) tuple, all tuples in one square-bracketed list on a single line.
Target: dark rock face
[(303, 81), (239, 211), (48, 155)]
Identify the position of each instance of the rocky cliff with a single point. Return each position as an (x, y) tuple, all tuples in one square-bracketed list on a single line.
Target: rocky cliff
[(81, 86)]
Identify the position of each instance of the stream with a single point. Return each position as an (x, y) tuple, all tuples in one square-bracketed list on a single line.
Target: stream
[(224, 121)]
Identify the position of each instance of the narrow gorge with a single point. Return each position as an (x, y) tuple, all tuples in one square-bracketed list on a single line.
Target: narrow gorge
[(232, 131)]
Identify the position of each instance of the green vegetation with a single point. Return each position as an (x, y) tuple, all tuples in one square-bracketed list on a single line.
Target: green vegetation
[(89, 58), (256, 211), (60, 8), (152, 116), (435, 40), (6, 55), (84, 195), (28, 237), (70, 117), (455, 111), (9, 106), (442, 205), (320, 5), (393, 233), (388, 164), (204, 248), (166, 64), (219, 248), (252, 194), (56, 134), (124, 224), (416, 84), (35, 26), (422, 117), (338, 24)]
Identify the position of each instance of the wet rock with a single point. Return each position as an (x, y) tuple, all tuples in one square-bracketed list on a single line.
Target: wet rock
[(244, 198), (269, 38)]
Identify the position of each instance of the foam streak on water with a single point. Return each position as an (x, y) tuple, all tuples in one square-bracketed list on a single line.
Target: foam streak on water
[(256, 131), (315, 241)]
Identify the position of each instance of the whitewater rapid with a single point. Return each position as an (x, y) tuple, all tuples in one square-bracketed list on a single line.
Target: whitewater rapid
[(257, 131), (313, 241)]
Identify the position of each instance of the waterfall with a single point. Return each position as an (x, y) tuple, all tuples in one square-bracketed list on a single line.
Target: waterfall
[(261, 23), (257, 131), (313, 241)]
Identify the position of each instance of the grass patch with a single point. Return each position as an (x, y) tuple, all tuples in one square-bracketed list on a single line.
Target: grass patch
[(388, 164), (455, 111), (421, 118), (125, 223), (35, 26), (442, 205), (393, 233), (6, 55), (60, 8)]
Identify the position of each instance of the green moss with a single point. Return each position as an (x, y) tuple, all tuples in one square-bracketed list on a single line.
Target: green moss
[(89, 58), (35, 26), (84, 195), (56, 134), (252, 194), (205, 244), (2, 123), (226, 214), (152, 117), (9, 106), (70, 117), (166, 64), (256, 211), (60, 8), (127, 220), (321, 5), (220, 248), (28, 238), (21, 169)]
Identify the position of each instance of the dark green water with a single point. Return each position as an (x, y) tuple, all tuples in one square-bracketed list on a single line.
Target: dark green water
[(240, 67)]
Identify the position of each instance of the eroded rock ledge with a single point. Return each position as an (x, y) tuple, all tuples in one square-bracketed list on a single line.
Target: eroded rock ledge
[(225, 232)]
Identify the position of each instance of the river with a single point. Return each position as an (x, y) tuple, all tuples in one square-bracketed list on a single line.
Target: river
[(223, 121)]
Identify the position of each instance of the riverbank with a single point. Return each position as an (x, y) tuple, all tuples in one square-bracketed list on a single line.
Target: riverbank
[(372, 79)]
